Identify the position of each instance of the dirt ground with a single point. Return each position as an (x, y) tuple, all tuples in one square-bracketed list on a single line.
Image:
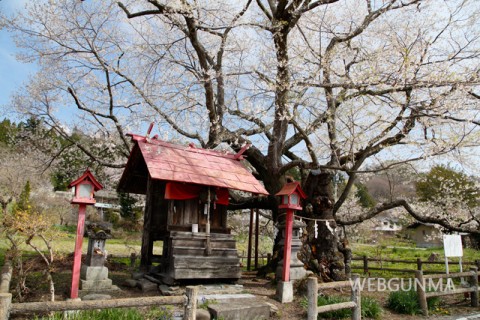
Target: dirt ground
[(261, 287)]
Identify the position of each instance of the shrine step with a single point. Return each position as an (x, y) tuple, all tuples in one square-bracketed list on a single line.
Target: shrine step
[(240, 309), (199, 251)]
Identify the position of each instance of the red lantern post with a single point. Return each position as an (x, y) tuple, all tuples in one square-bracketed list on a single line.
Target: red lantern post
[(84, 187), (291, 195)]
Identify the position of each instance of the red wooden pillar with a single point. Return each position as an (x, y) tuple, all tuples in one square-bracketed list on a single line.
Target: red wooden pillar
[(249, 254), (257, 229), (77, 258), (287, 248)]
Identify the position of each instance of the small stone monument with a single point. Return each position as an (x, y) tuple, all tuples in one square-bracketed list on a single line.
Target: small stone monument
[(93, 274), (297, 269)]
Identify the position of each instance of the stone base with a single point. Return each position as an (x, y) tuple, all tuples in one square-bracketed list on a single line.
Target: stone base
[(97, 285), (93, 273), (240, 310), (110, 291), (297, 271), (285, 291), (95, 280), (83, 292)]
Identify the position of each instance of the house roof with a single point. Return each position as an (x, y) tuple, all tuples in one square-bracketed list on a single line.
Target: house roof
[(418, 224), (170, 162)]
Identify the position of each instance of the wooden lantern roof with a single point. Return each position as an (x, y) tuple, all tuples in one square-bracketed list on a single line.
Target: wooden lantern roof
[(161, 160), (87, 176), (291, 187)]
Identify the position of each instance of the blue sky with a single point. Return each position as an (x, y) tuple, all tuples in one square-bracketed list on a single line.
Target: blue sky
[(12, 72)]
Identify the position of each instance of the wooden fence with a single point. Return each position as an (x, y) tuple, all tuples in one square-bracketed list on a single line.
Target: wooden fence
[(5, 295), (312, 294), (7, 308), (419, 264), (423, 294)]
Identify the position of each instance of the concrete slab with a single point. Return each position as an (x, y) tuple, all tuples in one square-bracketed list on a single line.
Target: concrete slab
[(220, 289), (240, 310), (201, 298)]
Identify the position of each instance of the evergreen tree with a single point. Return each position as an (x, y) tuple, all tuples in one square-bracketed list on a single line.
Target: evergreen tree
[(8, 131), (366, 200), (23, 203), (127, 203), (445, 185)]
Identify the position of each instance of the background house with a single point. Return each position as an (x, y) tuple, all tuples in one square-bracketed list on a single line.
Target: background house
[(387, 226), (425, 235)]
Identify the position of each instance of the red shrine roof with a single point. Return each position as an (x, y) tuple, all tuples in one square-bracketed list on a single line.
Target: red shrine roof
[(170, 162)]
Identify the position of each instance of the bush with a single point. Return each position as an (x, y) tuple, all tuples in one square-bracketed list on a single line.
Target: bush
[(406, 302), (112, 216), (370, 307), (70, 229)]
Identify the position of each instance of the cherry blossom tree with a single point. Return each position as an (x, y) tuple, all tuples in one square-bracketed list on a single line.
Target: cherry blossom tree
[(325, 86)]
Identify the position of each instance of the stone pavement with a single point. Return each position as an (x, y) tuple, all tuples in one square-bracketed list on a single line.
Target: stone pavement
[(473, 316), (469, 317)]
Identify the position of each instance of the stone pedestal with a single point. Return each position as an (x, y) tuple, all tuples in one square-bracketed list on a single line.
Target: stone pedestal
[(93, 274), (285, 291), (94, 279), (297, 270)]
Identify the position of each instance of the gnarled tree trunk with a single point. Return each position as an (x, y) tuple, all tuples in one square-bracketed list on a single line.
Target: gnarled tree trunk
[(322, 253)]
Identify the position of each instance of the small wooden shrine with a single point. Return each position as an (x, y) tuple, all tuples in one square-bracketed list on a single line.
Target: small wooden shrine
[(187, 193)]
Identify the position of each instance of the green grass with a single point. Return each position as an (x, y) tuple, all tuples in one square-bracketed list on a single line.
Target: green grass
[(370, 307), (406, 302), (399, 252), (118, 314), (66, 244)]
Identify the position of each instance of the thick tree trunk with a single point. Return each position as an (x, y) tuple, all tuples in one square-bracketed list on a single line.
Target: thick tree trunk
[(326, 254), (321, 253)]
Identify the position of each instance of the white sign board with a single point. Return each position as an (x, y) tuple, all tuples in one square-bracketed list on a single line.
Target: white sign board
[(452, 244), (106, 205)]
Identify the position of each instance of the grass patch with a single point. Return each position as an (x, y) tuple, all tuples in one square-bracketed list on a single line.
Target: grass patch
[(119, 314), (370, 307), (207, 303), (399, 251), (406, 302)]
